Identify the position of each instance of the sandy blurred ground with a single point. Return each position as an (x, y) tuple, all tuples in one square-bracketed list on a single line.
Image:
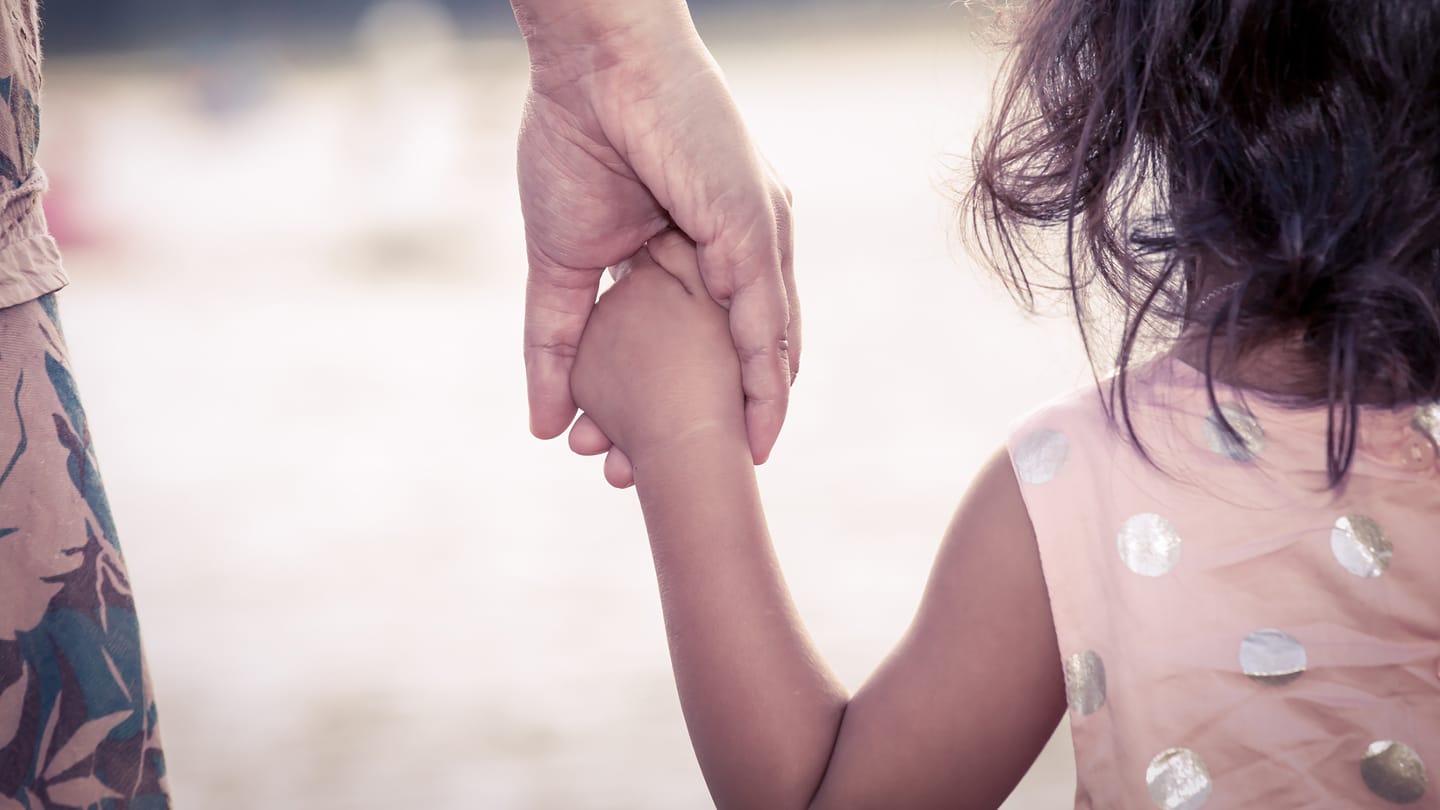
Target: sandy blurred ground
[(296, 319)]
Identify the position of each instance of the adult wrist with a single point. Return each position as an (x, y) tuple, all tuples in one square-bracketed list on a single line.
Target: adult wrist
[(571, 39)]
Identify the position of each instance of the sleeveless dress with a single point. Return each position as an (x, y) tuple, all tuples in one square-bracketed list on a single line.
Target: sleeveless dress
[(1234, 634), (77, 720)]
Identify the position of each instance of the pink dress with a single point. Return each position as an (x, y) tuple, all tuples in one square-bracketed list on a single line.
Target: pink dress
[(1235, 635)]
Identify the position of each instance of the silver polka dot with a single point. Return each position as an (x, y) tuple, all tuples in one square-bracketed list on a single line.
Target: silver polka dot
[(1272, 656), (1360, 546), (1149, 545), (1039, 456), (1085, 682), (1251, 441), (1178, 780), (1427, 421), (1394, 772)]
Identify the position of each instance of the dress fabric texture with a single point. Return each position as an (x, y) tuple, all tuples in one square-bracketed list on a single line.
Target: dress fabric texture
[(1234, 633), (78, 724)]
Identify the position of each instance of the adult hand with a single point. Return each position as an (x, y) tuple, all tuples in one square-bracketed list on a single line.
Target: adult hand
[(628, 130)]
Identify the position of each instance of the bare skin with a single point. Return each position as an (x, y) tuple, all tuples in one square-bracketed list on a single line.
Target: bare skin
[(958, 711), (628, 130)]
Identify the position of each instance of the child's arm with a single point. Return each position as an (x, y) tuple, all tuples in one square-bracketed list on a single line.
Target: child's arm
[(957, 713)]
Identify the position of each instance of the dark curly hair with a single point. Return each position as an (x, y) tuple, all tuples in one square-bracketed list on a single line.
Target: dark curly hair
[(1277, 158)]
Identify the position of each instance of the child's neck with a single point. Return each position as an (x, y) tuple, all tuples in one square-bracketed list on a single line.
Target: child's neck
[(1284, 368), (1275, 369)]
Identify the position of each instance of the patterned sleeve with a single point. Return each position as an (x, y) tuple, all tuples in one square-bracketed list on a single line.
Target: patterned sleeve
[(29, 258)]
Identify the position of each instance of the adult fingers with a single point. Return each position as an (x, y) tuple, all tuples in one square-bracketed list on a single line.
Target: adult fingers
[(782, 199), (742, 260), (586, 438), (557, 302), (618, 470), (742, 268), (758, 322)]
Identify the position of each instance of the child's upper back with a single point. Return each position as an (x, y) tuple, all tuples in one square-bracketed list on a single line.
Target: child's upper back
[(1235, 633)]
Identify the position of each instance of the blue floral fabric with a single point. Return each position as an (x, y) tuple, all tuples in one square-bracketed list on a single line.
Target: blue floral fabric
[(77, 720)]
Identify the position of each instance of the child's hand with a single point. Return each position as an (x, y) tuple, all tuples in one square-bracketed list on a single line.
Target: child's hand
[(656, 368)]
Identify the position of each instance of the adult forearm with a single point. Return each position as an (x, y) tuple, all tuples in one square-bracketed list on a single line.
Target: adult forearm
[(762, 709)]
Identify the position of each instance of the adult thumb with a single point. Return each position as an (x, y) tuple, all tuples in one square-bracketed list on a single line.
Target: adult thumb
[(558, 301)]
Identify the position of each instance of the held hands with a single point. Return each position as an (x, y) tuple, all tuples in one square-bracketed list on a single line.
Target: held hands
[(629, 130), (656, 369)]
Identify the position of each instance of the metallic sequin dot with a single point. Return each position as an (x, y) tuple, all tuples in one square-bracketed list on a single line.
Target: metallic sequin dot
[(1252, 437), (1360, 546), (1039, 456), (1427, 421), (1394, 772), (1178, 780), (1085, 682), (1149, 544), (1272, 657)]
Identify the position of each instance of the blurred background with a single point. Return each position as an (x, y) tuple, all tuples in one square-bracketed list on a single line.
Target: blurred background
[(298, 273)]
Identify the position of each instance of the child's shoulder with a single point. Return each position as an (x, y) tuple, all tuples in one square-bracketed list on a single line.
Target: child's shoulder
[(1100, 427), (1095, 420), (1079, 407), (1042, 440)]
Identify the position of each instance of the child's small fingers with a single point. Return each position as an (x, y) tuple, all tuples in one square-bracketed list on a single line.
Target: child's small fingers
[(675, 254), (586, 438), (618, 470)]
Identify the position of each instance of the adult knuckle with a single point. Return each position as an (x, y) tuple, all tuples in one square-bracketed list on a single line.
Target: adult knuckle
[(553, 347), (752, 241), (762, 355)]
